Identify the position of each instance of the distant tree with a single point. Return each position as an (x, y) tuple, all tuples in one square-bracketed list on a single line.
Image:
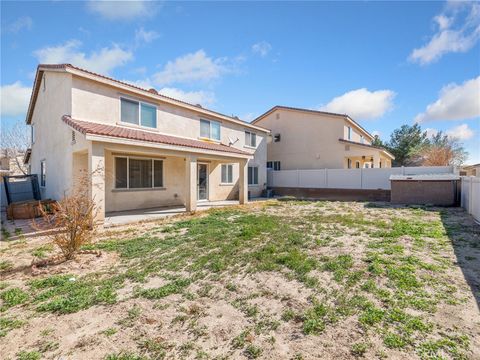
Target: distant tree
[(377, 141), (14, 142), (441, 150), (405, 142)]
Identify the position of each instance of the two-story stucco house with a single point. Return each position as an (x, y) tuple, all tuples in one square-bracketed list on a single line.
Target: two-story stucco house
[(141, 149), (310, 139)]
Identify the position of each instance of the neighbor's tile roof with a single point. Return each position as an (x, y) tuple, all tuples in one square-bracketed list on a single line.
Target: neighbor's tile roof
[(87, 127), (367, 145)]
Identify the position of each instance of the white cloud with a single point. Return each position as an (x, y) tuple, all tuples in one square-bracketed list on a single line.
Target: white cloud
[(458, 31), (122, 9), (103, 61), (431, 132), (14, 99), (144, 36), (456, 102), (191, 67), (203, 98), (262, 48), (23, 22), (362, 103), (460, 132)]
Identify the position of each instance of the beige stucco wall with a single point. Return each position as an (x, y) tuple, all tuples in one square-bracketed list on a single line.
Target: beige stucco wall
[(310, 140), (52, 137), (83, 99)]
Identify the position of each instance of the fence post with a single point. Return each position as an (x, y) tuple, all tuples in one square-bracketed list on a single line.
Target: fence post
[(470, 196)]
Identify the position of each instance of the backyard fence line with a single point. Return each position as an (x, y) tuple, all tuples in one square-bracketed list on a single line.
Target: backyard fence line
[(369, 179), (470, 200)]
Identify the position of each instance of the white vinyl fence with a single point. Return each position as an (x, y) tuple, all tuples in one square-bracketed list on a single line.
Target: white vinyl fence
[(347, 178), (471, 195)]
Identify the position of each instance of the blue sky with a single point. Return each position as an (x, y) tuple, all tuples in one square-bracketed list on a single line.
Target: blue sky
[(383, 63)]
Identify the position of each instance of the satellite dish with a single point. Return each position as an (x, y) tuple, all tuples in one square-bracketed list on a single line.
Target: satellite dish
[(231, 141)]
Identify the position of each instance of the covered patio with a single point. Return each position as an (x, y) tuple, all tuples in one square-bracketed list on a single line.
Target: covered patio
[(137, 175)]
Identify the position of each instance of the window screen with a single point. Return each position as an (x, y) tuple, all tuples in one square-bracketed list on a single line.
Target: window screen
[(204, 128), (252, 175), (120, 173), (129, 111), (157, 173), (140, 173), (149, 116), (227, 174), (215, 130)]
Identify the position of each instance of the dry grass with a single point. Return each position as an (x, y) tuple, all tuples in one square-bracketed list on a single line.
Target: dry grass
[(279, 280)]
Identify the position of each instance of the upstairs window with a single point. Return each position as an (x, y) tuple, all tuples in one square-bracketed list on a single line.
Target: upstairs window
[(250, 139), (210, 129), (274, 165), (362, 139), (227, 173), (349, 133), (138, 113)]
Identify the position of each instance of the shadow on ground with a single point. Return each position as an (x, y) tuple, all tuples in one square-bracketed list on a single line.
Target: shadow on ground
[(464, 234)]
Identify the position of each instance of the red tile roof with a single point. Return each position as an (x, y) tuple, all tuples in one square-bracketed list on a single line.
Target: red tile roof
[(87, 127)]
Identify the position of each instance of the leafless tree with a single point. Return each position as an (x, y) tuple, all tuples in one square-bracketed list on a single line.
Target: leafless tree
[(15, 141)]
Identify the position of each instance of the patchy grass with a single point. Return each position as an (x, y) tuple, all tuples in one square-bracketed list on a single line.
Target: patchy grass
[(242, 281)]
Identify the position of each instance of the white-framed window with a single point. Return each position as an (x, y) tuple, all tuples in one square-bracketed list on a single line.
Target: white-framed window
[(250, 139), (138, 173), (227, 173), (349, 163), (367, 165), (274, 165), (32, 134), (253, 175), (210, 129), (357, 164), (349, 133), (138, 113), (362, 139), (43, 173)]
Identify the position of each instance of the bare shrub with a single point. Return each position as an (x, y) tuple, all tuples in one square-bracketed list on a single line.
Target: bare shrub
[(72, 218)]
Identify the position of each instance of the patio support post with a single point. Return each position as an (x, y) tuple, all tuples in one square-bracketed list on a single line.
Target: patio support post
[(243, 182), (96, 171), (191, 183), (376, 161)]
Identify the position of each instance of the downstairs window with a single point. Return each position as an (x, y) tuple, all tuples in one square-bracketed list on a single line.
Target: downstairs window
[(138, 173)]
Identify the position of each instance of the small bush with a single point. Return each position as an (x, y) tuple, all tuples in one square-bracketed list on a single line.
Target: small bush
[(74, 216)]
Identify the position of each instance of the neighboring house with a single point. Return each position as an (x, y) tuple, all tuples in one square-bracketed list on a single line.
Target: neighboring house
[(141, 149), (470, 170), (309, 139)]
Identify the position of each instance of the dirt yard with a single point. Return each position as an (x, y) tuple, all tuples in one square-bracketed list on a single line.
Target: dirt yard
[(273, 280)]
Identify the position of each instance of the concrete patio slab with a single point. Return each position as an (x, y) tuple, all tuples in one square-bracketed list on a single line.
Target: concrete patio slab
[(118, 218)]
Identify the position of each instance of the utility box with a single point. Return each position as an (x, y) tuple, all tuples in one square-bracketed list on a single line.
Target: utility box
[(435, 189)]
